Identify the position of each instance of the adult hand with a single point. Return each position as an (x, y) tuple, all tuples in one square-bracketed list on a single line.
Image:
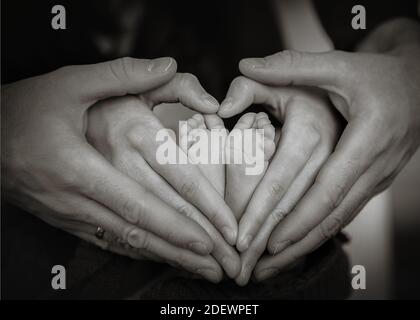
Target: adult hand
[(379, 96), (308, 135), (50, 169), (124, 130)]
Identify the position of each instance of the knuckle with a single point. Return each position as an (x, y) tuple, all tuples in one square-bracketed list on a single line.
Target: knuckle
[(241, 83), (276, 189), (134, 212), (382, 123), (187, 211), (122, 68), (313, 136), (63, 72), (277, 215), (187, 79), (136, 137), (142, 137), (68, 175), (181, 260), (127, 65), (330, 227), (344, 63), (299, 156), (331, 200), (325, 149), (273, 242), (301, 232), (128, 234), (308, 137), (64, 75), (214, 217), (70, 168), (189, 188), (332, 196), (143, 241), (70, 180), (289, 57), (129, 103)]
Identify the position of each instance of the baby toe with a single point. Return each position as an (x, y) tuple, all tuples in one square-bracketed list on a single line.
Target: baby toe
[(246, 121), (213, 121)]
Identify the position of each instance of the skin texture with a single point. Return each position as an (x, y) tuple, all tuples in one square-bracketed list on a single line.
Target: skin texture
[(124, 131), (377, 91), (239, 185), (199, 124), (308, 135), (313, 187), (51, 170)]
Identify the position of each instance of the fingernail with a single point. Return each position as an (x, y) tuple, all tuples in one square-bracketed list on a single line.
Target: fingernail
[(280, 246), (243, 245), (229, 235), (255, 63), (199, 247), (209, 274), (267, 273), (133, 238), (160, 65), (211, 100)]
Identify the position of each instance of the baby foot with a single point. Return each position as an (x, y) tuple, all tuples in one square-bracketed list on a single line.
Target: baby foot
[(193, 143), (240, 184)]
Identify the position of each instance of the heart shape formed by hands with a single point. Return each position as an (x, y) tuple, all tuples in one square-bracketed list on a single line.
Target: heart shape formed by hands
[(308, 134), (173, 213), (319, 174)]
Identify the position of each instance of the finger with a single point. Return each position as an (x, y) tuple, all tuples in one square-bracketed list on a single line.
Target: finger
[(133, 253), (110, 241), (213, 121), (243, 93), (345, 166), (304, 180), (250, 257), (186, 89), (142, 244), (116, 230), (118, 77), (190, 183), (104, 184), (138, 169), (205, 266), (296, 191), (297, 143), (81, 217), (324, 70), (354, 202)]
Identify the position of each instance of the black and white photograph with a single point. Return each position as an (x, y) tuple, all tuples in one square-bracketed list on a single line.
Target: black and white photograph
[(229, 152)]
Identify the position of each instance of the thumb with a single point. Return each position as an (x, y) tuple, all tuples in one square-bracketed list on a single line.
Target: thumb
[(323, 70), (118, 77)]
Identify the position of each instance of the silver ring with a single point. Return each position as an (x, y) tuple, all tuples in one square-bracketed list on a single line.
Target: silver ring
[(99, 233)]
